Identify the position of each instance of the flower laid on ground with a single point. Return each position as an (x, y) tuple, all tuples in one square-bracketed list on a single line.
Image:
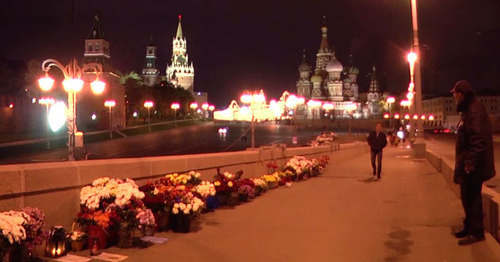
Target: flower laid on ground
[(34, 227), (205, 189), (109, 190), (260, 185), (269, 179), (157, 196), (145, 217), (188, 204), (191, 178), (12, 227), (226, 182), (246, 192), (271, 167)]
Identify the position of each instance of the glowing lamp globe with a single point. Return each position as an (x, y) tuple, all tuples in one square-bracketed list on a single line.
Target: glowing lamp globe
[(109, 103), (57, 116), (97, 87), (412, 57), (204, 106), (46, 83), (175, 106), (73, 85)]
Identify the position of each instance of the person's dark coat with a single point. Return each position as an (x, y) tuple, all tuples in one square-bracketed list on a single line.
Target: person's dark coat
[(376, 143), (474, 145)]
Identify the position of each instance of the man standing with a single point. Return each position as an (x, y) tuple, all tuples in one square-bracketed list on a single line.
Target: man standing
[(474, 162), (377, 141)]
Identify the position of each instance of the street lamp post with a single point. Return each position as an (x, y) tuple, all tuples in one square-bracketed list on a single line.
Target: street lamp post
[(390, 101), (110, 104), (47, 101), (72, 84), (148, 105), (419, 145), (175, 106), (255, 100)]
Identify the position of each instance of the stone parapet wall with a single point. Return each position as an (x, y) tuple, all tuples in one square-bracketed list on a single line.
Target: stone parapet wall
[(491, 198), (55, 187)]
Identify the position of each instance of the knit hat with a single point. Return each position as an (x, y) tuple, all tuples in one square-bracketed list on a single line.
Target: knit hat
[(464, 87)]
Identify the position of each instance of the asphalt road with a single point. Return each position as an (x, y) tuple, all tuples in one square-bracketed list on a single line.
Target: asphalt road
[(186, 140), (444, 145)]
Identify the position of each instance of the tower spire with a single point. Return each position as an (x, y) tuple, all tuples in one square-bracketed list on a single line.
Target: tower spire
[(179, 28), (324, 41)]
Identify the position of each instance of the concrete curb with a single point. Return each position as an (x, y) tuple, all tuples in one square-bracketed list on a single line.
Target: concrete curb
[(491, 198)]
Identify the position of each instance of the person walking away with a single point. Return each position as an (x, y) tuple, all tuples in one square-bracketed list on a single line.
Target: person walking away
[(474, 160), (377, 141)]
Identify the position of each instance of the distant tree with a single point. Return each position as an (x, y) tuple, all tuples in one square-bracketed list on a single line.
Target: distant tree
[(11, 80), (31, 75)]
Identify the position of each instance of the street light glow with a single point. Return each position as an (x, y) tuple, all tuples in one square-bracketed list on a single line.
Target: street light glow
[(193, 105), (391, 100), (411, 57), (57, 116), (97, 87), (46, 83), (431, 118), (211, 108), (204, 106), (396, 116), (72, 85), (110, 103), (148, 104), (386, 116), (175, 106)]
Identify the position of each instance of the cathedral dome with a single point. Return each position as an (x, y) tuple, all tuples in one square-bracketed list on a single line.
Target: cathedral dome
[(304, 66), (334, 65), (352, 70), (316, 78)]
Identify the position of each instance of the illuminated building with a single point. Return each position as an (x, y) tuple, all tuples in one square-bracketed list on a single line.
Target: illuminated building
[(150, 74), (180, 72), (331, 82)]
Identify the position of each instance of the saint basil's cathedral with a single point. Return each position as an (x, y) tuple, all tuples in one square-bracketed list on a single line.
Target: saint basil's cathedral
[(332, 83)]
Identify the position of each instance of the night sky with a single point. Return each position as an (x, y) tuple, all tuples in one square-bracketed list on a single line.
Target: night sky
[(247, 45)]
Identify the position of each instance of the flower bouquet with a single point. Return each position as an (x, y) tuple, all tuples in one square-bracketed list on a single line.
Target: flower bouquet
[(157, 198), (107, 206), (35, 235), (226, 186), (300, 166), (186, 206), (206, 192), (271, 180), (260, 186), (12, 234), (191, 178)]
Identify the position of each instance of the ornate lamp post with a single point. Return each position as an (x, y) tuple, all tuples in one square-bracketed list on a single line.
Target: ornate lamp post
[(148, 105), (47, 101), (390, 101), (255, 100), (72, 84), (419, 145), (110, 104), (175, 106)]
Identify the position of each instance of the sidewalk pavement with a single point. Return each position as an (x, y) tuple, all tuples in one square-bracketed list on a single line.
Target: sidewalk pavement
[(344, 215)]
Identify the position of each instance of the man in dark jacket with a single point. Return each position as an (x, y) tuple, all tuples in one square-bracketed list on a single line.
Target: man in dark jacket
[(377, 141), (474, 161)]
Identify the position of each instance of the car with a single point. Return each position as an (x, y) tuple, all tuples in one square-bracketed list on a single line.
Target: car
[(326, 136), (223, 130)]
